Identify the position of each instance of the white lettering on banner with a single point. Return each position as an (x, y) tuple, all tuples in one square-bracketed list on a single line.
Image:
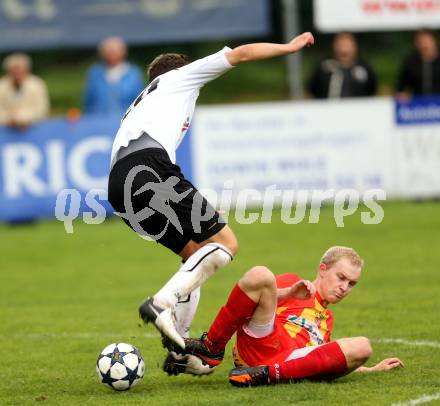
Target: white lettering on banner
[(367, 15), (23, 165), (161, 8), (76, 162), (55, 166), (419, 113), (20, 9), (20, 165)]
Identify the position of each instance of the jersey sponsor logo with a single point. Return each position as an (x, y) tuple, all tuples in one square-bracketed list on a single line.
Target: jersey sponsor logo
[(316, 337), (185, 125)]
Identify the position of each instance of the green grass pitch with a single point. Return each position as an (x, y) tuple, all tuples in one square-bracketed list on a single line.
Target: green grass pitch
[(64, 297)]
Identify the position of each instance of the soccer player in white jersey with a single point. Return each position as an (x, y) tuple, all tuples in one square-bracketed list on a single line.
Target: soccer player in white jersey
[(151, 194)]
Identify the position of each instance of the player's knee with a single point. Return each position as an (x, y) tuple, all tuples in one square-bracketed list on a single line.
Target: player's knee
[(232, 245), (364, 350), (226, 238), (259, 276)]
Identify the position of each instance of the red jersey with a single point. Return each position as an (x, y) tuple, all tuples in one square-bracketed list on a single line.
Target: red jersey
[(298, 324)]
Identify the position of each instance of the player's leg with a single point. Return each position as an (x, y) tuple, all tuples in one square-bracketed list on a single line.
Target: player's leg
[(185, 311), (225, 237), (216, 245), (252, 302), (186, 307), (327, 361), (152, 168), (357, 351), (213, 253), (253, 299), (197, 268)]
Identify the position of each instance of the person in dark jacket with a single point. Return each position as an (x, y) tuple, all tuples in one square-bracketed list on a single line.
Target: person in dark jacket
[(343, 75), (420, 71)]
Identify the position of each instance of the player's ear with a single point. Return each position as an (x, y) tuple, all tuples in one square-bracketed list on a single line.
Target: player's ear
[(322, 268)]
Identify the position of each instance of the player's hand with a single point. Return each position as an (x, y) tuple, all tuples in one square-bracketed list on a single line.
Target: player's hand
[(302, 290), (387, 364), (306, 39)]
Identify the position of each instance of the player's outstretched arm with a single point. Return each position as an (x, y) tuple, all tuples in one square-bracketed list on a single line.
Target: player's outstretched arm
[(384, 365), (265, 50)]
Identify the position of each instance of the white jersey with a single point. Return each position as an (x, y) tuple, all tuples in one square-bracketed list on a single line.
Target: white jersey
[(165, 108)]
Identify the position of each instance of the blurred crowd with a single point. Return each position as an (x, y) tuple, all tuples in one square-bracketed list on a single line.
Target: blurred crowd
[(347, 74), (113, 82), (111, 85)]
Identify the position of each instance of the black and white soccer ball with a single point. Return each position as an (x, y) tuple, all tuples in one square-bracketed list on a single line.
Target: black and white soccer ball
[(120, 366)]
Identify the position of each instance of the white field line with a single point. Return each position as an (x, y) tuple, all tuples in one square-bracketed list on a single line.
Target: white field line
[(419, 401), (90, 335), (412, 343), (154, 335)]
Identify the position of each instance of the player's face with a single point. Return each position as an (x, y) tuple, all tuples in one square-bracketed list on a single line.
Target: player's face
[(338, 280)]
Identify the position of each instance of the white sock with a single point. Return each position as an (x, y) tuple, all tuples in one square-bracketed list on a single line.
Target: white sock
[(185, 311), (193, 273)]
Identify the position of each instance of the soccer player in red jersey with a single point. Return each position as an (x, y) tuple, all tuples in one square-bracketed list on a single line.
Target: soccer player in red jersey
[(283, 327)]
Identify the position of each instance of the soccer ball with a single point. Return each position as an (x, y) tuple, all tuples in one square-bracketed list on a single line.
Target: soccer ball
[(120, 366)]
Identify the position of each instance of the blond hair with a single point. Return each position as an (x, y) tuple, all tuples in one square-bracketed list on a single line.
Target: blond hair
[(334, 254)]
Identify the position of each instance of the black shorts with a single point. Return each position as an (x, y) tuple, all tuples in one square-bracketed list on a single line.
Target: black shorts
[(159, 202)]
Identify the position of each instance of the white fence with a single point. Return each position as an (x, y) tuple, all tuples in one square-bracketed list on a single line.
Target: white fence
[(376, 15), (316, 145)]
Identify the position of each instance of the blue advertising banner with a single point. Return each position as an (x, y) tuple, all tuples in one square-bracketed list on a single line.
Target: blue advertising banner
[(418, 110), (27, 24), (36, 164)]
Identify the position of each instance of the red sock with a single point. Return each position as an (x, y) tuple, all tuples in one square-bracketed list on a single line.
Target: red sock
[(237, 309), (327, 359)]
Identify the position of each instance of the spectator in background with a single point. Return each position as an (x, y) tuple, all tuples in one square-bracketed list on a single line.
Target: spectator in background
[(344, 75), (23, 97), (420, 71), (112, 84)]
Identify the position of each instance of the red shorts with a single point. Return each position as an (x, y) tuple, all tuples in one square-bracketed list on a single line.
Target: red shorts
[(275, 347), (278, 349)]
